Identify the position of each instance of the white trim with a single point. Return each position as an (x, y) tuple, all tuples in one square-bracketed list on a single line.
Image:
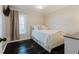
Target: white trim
[(4, 48), (17, 40)]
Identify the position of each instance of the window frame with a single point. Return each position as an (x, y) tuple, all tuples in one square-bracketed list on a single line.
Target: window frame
[(24, 15)]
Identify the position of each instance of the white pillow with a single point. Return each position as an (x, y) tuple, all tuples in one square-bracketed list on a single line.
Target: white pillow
[(36, 27), (40, 27), (43, 27)]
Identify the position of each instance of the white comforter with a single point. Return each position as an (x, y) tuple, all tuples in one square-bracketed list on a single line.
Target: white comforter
[(50, 38)]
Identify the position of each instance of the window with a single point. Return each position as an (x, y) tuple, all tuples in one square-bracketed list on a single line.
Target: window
[(22, 23)]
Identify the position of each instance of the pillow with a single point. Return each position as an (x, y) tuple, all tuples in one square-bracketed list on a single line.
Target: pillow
[(39, 27), (43, 27), (36, 27)]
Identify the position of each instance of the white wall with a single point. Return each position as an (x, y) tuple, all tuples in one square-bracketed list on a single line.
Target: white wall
[(4, 25), (66, 19), (2, 29), (0, 21)]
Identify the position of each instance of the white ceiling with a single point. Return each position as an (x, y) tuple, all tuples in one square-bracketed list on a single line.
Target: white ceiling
[(47, 9)]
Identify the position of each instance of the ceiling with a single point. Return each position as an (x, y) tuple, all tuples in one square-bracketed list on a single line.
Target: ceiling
[(32, 8)]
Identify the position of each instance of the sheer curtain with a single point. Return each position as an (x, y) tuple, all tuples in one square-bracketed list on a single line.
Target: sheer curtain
[(14, 25), (22, 25)]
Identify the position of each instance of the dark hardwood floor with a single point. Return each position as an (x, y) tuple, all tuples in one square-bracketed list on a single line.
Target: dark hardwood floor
[(30, 47)]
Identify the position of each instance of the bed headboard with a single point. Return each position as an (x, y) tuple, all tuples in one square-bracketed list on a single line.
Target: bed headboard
[(39, 27)]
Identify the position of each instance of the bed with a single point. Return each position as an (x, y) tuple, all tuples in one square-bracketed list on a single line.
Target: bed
[(48, 39)]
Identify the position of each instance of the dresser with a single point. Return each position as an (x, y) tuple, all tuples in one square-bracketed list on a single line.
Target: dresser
[(71, 43)]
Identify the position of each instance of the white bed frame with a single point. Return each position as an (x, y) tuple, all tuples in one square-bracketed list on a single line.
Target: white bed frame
[(47, 47)]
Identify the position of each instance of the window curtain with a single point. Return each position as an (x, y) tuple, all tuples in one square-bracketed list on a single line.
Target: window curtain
[(14, 25)]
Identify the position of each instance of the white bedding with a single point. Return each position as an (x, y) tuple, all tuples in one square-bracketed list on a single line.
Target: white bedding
[(48, 38)]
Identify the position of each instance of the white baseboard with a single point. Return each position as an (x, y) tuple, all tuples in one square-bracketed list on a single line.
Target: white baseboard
[(17, 40), (4, 47)]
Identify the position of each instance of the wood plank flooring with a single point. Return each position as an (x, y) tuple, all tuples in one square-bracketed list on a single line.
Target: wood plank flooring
[(30, 47)]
